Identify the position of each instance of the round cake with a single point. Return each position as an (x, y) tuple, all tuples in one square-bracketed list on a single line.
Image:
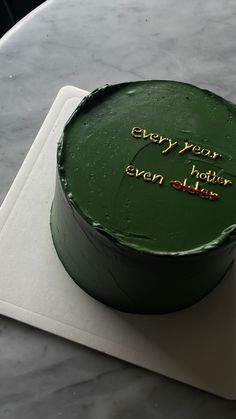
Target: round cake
[(144, 212)]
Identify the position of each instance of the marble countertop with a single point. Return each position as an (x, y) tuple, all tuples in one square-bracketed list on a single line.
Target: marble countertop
[(87, 44)]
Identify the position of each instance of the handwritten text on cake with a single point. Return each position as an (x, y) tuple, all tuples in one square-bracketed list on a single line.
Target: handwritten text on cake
[(168, 144), (148, 176)]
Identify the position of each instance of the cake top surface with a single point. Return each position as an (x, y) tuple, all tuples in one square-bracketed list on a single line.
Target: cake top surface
[(152, 164)]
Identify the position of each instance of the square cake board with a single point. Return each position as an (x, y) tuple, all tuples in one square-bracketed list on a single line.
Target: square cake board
[(195, 346)]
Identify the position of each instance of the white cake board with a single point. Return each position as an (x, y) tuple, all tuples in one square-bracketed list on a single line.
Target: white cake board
[(195, 346)]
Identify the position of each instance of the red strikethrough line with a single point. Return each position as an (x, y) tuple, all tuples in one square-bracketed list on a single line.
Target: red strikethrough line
[(190, 188)]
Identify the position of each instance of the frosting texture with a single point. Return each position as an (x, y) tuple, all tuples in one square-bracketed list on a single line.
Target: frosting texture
[(98, 146)]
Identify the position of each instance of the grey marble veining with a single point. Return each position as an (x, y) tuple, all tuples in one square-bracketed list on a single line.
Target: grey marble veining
[(87, 44)]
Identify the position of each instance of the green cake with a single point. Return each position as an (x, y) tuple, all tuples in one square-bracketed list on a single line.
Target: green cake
[(144, 212)]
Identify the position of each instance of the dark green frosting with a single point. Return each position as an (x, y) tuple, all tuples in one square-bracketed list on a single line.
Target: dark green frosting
[(107, 195)]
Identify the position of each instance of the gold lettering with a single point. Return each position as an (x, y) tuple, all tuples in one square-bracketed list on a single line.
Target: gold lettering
[(187, 147), (170, 146), (147, 176), (196, 149), (215, 155), (146, 135), (194, 172), (210, 177), (214, 177), (203, 176), (154, 137), (139, 174), (220, 180), (155, 177), (130, 170), (162, 139), (137, 132), (205, 152)]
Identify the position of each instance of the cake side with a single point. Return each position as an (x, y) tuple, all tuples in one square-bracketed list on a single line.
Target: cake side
[(127, 279)]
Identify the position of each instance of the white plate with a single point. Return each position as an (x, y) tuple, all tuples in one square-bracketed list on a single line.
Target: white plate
[(196, 345)]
